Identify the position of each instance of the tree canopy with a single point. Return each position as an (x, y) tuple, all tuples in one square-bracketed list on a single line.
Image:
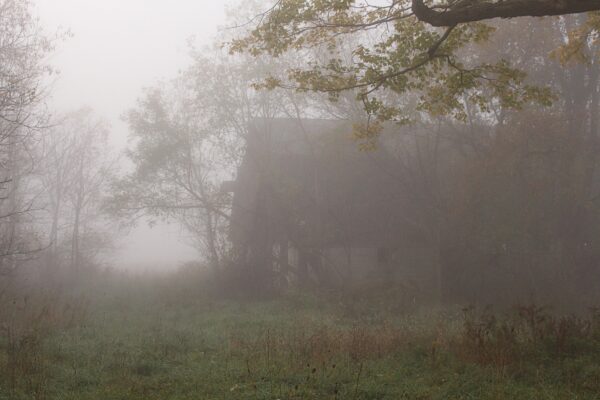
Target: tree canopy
[(428, 51)]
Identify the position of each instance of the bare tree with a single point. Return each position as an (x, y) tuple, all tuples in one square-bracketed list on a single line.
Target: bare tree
[(23, 48), (78, 165)]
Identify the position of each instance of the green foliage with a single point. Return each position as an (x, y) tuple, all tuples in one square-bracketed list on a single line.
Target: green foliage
[(393, 56), (580, 40)]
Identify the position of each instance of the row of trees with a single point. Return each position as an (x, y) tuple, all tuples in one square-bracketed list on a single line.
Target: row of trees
[(507, 188), (53, 170)]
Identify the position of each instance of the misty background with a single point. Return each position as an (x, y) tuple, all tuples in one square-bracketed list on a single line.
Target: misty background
[(299, 199), (116, 49), (279, 151)]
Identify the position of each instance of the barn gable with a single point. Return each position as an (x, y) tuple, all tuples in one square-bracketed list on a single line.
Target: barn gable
[(308, 197)]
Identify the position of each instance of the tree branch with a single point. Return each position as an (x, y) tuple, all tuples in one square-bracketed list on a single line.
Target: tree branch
[(478, 11)]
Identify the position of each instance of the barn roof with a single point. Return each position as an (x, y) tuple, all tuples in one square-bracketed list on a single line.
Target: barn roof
[(318, 188)]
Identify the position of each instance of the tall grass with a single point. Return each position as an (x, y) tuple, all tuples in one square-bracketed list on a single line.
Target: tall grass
[(123, 337)]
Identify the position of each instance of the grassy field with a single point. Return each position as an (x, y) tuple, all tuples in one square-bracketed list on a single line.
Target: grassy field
[(153, 344)]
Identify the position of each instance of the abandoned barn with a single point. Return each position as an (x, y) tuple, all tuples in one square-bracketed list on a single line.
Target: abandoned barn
[(310, 204)]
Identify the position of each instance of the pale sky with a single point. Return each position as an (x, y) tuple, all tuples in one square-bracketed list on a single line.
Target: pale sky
[(119, 47)]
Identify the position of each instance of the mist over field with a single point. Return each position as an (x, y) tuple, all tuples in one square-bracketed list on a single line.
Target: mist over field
[(299, 199)]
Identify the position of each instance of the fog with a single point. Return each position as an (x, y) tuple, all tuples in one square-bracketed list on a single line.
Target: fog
[(116, 49), (299, 199), (301, 146)]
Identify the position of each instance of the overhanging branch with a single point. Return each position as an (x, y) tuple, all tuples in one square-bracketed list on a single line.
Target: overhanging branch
[(472, 11)]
